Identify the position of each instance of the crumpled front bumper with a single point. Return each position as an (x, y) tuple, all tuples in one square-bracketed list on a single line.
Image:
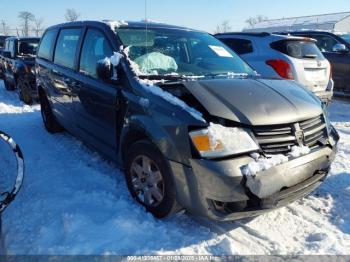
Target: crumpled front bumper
[(218, 189)]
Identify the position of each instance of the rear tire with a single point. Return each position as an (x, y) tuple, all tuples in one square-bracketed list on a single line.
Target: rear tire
[(8, 86), (24, 91), (50, 122), (149, 179)]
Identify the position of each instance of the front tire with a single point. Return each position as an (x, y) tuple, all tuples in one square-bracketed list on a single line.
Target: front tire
[(149, 179), (24, 91), (50, 122)]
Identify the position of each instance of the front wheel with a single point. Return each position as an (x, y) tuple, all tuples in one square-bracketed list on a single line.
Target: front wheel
[(50, 122), (149, 179), (24, 91)]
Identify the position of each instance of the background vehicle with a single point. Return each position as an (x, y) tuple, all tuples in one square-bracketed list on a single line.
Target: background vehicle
[(17, 61), (288, 57), (337, 51), (2, 41), (182, 114), (346, 37)]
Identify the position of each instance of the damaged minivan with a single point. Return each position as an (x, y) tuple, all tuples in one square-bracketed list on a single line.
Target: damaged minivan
[(191, 124)]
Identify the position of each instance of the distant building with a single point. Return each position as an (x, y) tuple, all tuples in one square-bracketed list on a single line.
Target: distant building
[(337, 22)]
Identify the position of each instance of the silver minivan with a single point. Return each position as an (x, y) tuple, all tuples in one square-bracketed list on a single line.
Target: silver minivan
[(289, 57)]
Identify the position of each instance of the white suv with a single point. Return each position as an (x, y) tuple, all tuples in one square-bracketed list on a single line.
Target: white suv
[(289, 57)]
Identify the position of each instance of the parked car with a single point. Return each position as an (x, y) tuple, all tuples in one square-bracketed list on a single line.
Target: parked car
[(2, 41), (190, 122), (288, 57), (346, 37), (17, 61), (337, 51)]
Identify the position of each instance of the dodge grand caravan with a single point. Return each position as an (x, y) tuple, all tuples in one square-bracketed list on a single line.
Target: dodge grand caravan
[(190, 123)]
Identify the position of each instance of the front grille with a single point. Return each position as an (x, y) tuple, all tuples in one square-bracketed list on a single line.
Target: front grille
[(280, 139)]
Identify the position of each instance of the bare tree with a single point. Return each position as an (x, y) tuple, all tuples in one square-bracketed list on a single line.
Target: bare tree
[(71, 15), (26, 18), (252, 21), (261, 18), (223, 27), (38, 26), (4, 28)]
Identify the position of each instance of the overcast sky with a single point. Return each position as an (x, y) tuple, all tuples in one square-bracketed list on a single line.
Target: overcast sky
[(199, 14)]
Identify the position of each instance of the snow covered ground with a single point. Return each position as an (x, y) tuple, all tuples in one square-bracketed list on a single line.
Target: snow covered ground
[(74, 202)]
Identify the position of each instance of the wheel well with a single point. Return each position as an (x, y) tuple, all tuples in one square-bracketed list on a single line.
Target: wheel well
[(132, 137)]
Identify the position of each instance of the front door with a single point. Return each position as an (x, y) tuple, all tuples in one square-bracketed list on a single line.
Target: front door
[(95, 101)]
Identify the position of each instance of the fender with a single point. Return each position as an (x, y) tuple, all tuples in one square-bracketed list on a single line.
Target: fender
[(159, 135)]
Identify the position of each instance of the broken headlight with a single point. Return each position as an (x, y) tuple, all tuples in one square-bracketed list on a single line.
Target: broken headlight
[(220, 141)]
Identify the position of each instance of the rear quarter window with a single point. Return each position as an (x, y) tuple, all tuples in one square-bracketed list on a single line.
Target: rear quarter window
[(298, 49), (239, 46), (66, 47), (47, 43)]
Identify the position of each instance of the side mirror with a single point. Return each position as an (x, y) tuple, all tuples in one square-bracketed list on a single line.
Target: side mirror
[(340, 48), (7, 54), (104, 70)]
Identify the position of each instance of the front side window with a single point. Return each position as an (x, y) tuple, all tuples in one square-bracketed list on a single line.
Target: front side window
[(66, 47), (180, 52), (240, 46), (95, 48), (46, 45)]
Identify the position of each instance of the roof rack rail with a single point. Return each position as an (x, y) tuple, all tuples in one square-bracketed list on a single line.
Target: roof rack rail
[(258, 34)]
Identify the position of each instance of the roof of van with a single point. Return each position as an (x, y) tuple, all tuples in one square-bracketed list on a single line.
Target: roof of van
[(119, 23)]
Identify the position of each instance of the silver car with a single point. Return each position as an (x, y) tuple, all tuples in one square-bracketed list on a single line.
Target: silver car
[(289, 57)]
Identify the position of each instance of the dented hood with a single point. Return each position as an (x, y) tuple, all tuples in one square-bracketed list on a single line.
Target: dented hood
[(256, 101)]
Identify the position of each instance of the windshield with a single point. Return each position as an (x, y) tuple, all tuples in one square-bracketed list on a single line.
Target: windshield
[(180, 52), (346, 38), (28, 48)]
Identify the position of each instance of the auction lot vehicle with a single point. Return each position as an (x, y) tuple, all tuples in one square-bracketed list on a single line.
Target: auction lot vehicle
[(346, 37), (289, 57), (17, 61), (2, 44), (337, 51), (190, 122)]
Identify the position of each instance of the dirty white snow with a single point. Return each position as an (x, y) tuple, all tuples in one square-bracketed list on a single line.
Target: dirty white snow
[(74, 202), (156, 90), (115, 24), (261, 163)]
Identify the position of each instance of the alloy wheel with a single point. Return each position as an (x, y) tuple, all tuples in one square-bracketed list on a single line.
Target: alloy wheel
[(147, 181)]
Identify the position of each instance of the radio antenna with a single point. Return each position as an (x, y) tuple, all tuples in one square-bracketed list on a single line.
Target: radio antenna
[(146, 21)]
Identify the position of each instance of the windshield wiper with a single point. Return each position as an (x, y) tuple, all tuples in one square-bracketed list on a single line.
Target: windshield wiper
[(169, 77), (228, 74)]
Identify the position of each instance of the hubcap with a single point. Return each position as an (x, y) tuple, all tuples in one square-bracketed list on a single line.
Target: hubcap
[(147, 181)]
